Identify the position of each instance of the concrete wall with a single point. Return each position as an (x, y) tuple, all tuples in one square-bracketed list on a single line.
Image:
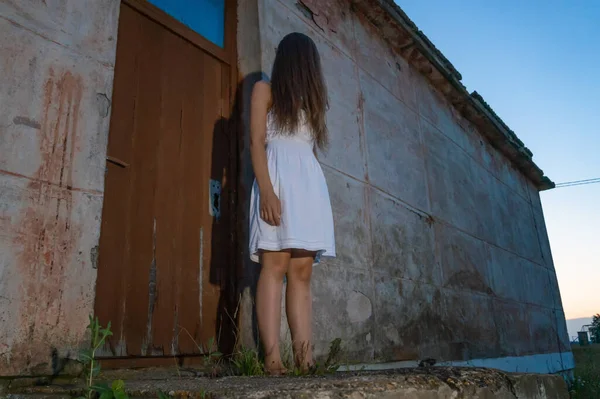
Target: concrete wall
[(56, 63), (442, 248)]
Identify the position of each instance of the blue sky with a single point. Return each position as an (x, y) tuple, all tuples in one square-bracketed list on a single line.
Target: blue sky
[(537, 63)]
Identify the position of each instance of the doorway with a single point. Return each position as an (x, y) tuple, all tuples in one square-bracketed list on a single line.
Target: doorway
[(167, 237)]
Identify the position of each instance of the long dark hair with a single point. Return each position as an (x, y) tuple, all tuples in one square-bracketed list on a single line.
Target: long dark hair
[(297, 85)]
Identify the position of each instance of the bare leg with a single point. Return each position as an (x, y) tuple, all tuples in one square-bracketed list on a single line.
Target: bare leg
[(268, 307), (299, 307)]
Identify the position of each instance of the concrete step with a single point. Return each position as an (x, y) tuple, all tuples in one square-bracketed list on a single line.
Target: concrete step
[(432, 383)]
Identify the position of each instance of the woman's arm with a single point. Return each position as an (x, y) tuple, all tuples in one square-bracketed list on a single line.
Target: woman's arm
[(270, 207)]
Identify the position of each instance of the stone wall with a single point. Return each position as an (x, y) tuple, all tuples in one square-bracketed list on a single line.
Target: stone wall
[(441, 242), (57, 61)]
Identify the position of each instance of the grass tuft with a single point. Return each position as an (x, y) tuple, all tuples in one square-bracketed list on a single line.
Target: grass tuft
[(586, 381)]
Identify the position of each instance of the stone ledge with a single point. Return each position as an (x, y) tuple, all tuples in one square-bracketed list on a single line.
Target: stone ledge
[(436, 382)]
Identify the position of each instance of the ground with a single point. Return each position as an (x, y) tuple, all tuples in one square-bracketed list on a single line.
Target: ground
[(436, 382)]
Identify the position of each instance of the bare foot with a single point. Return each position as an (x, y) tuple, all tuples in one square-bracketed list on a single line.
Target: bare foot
[(276, 372), (275, 368), (306, 367)]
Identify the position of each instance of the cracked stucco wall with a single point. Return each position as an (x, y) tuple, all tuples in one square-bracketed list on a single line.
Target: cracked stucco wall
[(56, 82), (442, 248), (442, 245)]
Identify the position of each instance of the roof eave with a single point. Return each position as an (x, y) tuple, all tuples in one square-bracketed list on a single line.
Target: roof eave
[(425, 57)]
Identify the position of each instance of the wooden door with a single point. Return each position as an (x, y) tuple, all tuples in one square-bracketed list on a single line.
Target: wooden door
[(163, 248)]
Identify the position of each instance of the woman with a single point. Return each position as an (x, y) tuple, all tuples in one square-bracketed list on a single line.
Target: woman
[(291, 224)]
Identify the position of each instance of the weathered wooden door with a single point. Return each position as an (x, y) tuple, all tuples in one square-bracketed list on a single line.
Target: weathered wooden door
[(169, 155)]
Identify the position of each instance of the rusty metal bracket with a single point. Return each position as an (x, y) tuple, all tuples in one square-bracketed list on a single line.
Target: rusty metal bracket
[(117, 161)]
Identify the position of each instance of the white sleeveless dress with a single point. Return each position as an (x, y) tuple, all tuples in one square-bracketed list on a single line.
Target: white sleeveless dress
[(299, 183)]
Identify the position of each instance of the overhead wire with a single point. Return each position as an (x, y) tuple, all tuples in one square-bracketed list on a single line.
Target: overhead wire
[(578, 182)]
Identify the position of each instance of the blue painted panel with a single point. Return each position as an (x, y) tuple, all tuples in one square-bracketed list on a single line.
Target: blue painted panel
[(207, 17)]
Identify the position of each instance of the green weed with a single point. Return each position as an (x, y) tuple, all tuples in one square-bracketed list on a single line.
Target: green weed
[(247, 362), (101, 390), (116, 390), (586, 381), (92, 368), (331, 364), (212, 354)]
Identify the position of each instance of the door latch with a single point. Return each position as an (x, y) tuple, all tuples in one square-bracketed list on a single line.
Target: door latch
[(214, 199)]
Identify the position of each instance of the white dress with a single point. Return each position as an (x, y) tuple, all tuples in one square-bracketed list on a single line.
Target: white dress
[(299, 183)]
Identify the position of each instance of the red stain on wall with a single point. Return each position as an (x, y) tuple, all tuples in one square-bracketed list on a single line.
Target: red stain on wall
[(46, 233)]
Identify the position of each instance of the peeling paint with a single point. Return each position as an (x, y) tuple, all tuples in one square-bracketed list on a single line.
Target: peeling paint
[(359, 307), (103, 104), (25, 121), (152, 297), (201, 274), (94, 256), (326, 14)]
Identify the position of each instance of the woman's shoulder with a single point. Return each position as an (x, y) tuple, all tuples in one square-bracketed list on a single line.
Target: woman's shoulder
[(261, 98), (261, 94), (262, 88)]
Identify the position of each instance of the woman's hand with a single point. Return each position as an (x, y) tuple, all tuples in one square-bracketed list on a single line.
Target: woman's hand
[(270, 208)]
